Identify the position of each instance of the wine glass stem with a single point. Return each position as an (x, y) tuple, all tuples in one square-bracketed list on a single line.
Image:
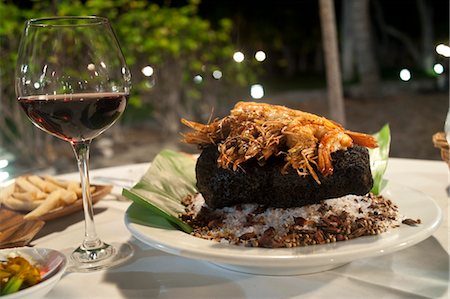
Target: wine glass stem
[(91, 240)]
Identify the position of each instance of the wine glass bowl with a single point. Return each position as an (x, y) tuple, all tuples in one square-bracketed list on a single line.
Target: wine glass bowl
[(72, 81), (76, 61)]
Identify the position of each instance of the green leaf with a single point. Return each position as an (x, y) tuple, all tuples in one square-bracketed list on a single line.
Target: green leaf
[(170, 178), (149, 218), (379, 158)]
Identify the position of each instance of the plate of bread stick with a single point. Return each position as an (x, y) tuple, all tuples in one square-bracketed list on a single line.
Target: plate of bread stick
[(46, 197)]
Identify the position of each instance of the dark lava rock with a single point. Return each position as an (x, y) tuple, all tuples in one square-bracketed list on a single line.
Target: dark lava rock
[(266, 185)]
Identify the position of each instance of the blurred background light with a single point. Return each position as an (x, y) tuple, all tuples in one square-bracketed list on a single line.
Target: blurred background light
[(443, 50), (147, 71), (3, 163), (217, 74), (3, 176), (198, 79), (257, 91), (405, 75), (438, 68), (260, 56), (238, 57)]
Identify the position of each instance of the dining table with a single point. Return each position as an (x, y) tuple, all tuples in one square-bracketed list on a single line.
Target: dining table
[(419, 271)]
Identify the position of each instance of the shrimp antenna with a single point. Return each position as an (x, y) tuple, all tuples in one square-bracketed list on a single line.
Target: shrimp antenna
[(211, 115)]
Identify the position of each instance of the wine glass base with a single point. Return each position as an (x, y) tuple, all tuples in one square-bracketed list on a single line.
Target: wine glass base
[(107, 256)]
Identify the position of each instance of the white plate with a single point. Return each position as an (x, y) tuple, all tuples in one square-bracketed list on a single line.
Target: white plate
[(301, 260), (53, 261)]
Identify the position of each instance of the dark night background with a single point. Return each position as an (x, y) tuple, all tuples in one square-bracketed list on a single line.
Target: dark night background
[(295, 24)]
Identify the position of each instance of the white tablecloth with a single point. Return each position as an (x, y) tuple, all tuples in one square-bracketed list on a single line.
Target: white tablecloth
[(421, 271)]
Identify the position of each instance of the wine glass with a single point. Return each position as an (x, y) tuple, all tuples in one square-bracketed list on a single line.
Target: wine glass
[(447, 137), (72, 82), (447, 125)]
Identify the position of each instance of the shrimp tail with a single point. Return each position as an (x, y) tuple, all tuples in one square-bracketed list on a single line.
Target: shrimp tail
[(362, 139)]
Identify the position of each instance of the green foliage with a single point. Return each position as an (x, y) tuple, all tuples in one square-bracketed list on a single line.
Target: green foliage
[(11, 26), (170, 40), (174, 41), (149, 34)]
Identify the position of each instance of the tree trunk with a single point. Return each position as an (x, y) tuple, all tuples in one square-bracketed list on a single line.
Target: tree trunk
[(331, 53), (291, 67), (426, 24), (347, 43), (367, 66), (167, 102)]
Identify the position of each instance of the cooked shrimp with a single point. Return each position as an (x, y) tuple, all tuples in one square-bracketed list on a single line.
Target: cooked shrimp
[(207, 134), (260, 131)]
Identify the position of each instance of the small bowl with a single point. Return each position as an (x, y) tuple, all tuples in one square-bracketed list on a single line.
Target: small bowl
[(53, 260)]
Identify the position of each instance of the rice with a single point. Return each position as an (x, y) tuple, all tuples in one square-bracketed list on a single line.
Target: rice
[(331, 220)]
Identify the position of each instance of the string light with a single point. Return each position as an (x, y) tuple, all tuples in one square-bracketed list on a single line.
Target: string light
[(257, 91), (147, 71), (405, 75), (260, 56), (238, 57)]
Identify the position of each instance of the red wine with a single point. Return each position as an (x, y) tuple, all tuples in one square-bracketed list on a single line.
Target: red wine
[(74, 117)]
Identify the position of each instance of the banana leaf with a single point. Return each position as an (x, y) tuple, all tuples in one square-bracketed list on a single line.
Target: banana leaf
[(170, 178), (379, 158)]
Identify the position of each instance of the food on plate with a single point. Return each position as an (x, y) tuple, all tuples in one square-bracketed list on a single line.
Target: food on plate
[(17, 273), (270, 176), (276, 156), (39, 195), (329, 221)]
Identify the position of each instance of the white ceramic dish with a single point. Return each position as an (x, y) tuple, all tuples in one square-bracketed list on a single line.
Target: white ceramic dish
[(292, 261), (54, 261)]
